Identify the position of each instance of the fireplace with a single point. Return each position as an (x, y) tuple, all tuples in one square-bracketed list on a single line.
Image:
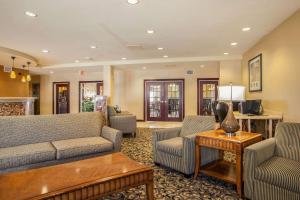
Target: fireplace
[(12, 106)]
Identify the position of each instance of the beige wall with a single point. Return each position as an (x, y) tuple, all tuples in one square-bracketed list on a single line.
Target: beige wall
[(12, 87), (230, 71), (70, 76), (129, 84), (281, 69)]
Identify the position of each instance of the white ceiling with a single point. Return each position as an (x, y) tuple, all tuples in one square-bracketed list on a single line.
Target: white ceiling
[(185, 28)]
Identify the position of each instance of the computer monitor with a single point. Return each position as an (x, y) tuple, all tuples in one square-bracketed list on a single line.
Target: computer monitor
[(251, 107)]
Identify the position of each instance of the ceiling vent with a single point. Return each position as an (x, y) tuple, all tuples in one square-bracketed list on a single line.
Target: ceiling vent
[(7, 69), (189, 72)]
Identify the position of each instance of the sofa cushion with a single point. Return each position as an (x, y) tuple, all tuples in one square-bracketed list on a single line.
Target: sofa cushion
[(196, 124), (281, 172), (172, 146), (26, 154), (81, 146)]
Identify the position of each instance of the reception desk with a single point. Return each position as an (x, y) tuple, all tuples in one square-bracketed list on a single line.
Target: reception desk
[(11, 106)]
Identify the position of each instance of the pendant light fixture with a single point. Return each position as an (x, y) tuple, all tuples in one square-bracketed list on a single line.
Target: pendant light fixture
[(23, 79), (13, 73), (28, 77)]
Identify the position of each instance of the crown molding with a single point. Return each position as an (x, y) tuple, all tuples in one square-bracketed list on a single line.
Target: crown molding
[(144, 61)]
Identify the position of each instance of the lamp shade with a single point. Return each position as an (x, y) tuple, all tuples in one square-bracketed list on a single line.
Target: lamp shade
[(231, 93)]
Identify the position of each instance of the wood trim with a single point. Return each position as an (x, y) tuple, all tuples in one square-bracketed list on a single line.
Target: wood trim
[(79, 90), (53, 86), (198, 90), (183, 94), (100, 188)]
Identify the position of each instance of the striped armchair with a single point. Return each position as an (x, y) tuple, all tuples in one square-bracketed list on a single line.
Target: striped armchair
[(272, 167), (123, 121), (175, 147)]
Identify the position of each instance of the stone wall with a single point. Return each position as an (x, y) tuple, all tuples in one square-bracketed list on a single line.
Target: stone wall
[(10, 109)]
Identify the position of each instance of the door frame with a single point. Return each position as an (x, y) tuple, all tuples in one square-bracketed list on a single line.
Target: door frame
[(198, 90), (54, 87), (79, 89), (183, 94)]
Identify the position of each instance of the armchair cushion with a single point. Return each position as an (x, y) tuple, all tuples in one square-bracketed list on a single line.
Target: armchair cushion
[(172, 146), (288, 140), (196, 124), (281, 172)]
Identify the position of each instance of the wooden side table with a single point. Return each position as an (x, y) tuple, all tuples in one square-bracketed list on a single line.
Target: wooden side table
[(224, 170)]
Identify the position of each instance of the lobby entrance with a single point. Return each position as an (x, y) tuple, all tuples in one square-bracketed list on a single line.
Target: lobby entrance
[(164, 100)]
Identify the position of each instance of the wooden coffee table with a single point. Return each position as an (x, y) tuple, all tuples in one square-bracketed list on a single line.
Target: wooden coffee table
[(84, 179), (222, 169)]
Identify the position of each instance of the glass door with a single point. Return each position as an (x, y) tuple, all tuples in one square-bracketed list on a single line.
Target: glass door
[(87, 94), (174, 99), (207, 93), (61, 98), (164, 100), (154, 101)]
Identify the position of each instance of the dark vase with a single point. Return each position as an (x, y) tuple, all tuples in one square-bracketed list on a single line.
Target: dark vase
[(221, 111), (230, 125)]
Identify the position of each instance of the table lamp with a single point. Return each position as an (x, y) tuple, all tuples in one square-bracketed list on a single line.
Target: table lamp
[(229, 93)]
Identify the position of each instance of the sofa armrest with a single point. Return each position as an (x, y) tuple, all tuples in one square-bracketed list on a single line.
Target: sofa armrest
[(113, 135), (124, 123), (253, 156)]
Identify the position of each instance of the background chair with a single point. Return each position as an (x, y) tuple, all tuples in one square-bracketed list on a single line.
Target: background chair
[(123, 120), (175, 147), (272, 167)]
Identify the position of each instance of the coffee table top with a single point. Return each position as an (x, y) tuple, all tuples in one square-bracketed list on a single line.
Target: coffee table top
[(35, 182), (240, 137)]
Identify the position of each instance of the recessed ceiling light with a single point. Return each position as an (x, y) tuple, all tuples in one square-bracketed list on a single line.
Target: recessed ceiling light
[(246, 29), (160, 48), (45, 51), (165, 56), (93, 47), (233, 43), (226, 53), (144, 68), (77, 61), (30, 14), (150, 31), (133, 1), (124, 58), (51, 72)]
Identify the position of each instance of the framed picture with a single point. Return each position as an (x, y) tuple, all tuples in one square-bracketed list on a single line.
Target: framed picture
[(255, 74)]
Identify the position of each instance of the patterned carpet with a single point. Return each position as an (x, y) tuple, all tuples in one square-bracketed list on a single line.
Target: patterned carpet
[(169, 184)]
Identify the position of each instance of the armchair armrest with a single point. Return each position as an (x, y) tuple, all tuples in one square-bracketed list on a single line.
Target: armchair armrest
[(113, 135), (207, 154), (254, 155), (164, 134), (125, 123)]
